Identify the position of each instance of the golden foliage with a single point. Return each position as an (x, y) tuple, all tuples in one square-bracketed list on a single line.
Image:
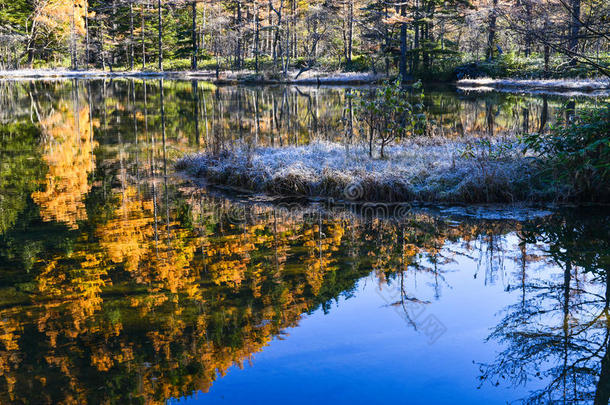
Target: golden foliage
[(57, 15), (68, 151)]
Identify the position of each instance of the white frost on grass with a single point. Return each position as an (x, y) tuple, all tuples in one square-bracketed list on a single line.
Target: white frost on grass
[(431, 170), (596, 87), (575, 84), (335, 78)]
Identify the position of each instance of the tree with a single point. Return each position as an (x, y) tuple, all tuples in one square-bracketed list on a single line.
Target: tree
[(388, 115)]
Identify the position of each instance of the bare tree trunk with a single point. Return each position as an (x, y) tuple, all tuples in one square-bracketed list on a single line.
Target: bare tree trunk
[(574, 29), (194, 38), (143, 38), (547, 55), (238, 50), (386, 34), (270, 44), (350, 29), (131, 42), (256, 36), (403, 45), (160, 27), (295, 52), (101, 39), (415, 57), (113, 60), (491, 36), (87, 55), (276, 39), (287, 47), (202, 44), (528, 34), (73, 36)]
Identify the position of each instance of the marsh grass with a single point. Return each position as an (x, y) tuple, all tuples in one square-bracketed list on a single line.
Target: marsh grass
[(421, 169)]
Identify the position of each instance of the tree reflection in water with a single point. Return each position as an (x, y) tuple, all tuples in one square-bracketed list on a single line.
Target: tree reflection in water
[(118, 283), (559, 332)]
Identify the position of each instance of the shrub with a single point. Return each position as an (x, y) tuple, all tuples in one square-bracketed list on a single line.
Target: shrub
[(389, 115), (576, 154)]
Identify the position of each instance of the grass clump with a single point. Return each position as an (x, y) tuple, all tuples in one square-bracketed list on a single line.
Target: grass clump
[(417, 169)]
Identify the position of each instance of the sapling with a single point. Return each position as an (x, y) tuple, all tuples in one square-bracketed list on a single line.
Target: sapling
[(388, 114)]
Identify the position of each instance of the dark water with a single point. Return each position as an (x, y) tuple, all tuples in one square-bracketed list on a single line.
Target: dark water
[(122, 283)]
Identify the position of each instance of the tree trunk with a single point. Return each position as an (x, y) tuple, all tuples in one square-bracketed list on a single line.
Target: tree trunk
[(256, 36), (574, 30), (415, 56), (131, 42), (371, 133), (350, 30), (403, 45), (238, 50), (491, 37), (113, 60), (142, 38), (160, 33), (87, 60), (528, 32), (101, 39), (73, 36), (194, 38), (287, 48), (547, 55)]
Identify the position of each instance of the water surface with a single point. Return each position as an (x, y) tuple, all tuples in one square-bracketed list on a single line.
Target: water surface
[(120, 282)]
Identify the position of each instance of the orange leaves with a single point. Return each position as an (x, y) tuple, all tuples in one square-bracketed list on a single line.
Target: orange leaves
[(123, 237), (57, 15), (68, 151)]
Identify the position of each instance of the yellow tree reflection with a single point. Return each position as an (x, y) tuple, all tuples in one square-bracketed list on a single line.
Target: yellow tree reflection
[(68, 152)]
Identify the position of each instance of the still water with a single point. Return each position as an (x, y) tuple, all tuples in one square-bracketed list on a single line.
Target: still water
[(120, 282)]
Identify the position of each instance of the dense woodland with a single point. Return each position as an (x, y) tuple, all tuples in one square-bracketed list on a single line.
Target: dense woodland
[(414, 38)]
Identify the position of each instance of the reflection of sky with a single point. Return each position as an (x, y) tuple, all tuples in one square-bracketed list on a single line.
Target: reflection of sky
[(364, 352)]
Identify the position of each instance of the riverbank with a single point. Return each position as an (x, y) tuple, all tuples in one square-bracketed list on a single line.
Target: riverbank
[(430, 170), (226, 77), (565, 87)]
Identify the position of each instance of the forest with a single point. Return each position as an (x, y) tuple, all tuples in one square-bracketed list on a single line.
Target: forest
[(428, 39)]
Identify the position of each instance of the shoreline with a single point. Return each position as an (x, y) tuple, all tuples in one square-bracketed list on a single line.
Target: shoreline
[(560, 87), (226, 77)]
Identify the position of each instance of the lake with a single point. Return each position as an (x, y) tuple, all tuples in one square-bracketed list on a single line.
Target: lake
[(121, 281)]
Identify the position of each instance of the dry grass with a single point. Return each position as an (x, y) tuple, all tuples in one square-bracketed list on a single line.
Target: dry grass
[(423, 169)]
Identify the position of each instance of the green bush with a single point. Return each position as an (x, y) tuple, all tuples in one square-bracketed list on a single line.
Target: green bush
[(359, 63), (576, 154)]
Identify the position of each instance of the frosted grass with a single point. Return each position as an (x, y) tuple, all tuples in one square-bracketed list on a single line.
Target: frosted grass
[(566, 87), (427, 170)]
